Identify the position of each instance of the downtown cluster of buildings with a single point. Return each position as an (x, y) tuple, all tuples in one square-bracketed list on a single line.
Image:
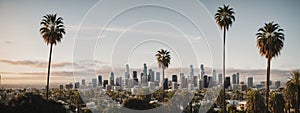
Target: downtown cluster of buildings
[(151, 80)]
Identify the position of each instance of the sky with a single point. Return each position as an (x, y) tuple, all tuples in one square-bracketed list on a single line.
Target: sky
[(103, 36)]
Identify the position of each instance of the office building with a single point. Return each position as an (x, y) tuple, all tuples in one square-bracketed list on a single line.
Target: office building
[(151, 75), (145, 71), (83, 82), (94, 83), (237, 78), (99, 80), (214, 75), (205, 80), (134, 74), (77, 85), (105, 83), (174, 78), (277, 84), (112, 79), (220, 80), (118, 81), (191, 77), (249, 82), (202, 72), (227, 82), (157, 76), (234, 79), (166, 84), (127, 75)]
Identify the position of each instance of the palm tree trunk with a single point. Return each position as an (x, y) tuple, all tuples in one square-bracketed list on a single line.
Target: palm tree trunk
[(163, 81), (48, 77), (224, 103), (267, 84)]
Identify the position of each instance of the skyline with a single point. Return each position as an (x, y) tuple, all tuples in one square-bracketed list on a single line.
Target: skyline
[(24, 54)]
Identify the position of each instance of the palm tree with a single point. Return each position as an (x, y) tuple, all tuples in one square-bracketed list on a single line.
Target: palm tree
[(52, 31), (163, 59), (292, 91), (277, 102), (224, 18), (270, 42), (255, 102)]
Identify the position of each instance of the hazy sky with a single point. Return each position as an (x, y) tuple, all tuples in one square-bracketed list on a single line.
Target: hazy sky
[(104, 36)]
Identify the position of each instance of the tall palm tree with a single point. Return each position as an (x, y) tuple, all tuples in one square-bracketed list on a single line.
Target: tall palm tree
[(277, 102), (224, 18), (255, 102), (163, 59), (52, 31), (270, 42), (292, 91)]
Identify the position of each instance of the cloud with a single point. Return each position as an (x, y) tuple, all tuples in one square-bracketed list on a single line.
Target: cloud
[(37, 64), (142, 31)]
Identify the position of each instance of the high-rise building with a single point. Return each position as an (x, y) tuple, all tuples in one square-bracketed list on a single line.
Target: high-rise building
[(99, 80), (249, 82), (69, 86), (157, 76), (83, 82), (234, 79), (200, 84), (166, 84), (112, 79), (220, 80), (151, 75), (237, 78), (145, 71), (127, 75), (227, 82), (77, 85), (195, 79), (182, 81), (205, 80), (202, 70), (134, 74), (105, 83), (118, 81), (214, 75), (277, 84), (94, 82), (174, 78), (191, 77)]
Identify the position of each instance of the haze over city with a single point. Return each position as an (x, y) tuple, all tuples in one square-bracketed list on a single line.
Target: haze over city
[(24, 55)]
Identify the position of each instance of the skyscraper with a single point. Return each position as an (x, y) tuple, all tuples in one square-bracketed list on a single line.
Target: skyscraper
[(220, 80), (214, 75), (99, 80), (112, 79), (191, 77), (94, 82), (151, 75), (202, 70), (127, 75), (83, 82), (157, 76), (277, 84), (134, 74), (166, 84), (205, 81), (182, 81), (145, 71), (238, 78), (118, 81), (250, 81), (174, 78), (227, 82), (234, 81)]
